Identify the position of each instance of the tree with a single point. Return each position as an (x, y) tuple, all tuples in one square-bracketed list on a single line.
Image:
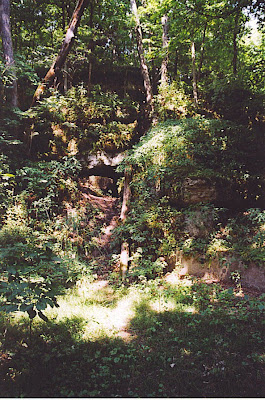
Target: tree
[(65, 49), (8, 51), (143, 65), (125, 248), (194, 75), (164, 73)]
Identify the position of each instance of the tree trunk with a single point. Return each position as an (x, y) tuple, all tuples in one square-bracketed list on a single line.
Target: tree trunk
[(235, 49), (126, 197), (202, 51), (143, 65), (65, 49), (12, 96), (194, 77), (65, 79), (164, 72), (91, 45), (63, 14), (125, 249), (89, 77), (176, 64)]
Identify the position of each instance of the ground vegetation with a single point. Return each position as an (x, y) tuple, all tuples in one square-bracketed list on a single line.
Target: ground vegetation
[(142, 149)]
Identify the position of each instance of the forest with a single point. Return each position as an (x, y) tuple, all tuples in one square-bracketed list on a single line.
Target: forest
[(132, 198)]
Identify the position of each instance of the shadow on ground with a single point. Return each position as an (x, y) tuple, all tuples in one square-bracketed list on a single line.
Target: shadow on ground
[(197, 349)]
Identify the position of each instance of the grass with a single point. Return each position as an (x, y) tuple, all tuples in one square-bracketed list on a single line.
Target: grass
[(157, 339)]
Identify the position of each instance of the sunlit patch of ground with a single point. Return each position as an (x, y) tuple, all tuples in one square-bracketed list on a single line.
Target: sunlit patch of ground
[(106, 312), (173, 279), (162, 305)]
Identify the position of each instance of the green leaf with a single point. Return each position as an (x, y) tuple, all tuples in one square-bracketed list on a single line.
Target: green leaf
[(41, 305), (10, 308), (25, 307)]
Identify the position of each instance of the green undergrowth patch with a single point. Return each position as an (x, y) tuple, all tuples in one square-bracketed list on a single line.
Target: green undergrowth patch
[(153, 339), (213, 149), (91, 121)]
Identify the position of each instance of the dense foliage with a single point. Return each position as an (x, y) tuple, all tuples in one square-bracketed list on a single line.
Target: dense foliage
[(190, 160)]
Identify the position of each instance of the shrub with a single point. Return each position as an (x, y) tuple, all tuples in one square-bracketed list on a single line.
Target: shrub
[(45, 184), (22, 285), (197, 148)]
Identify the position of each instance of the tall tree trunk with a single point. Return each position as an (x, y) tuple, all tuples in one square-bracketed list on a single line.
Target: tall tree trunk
[(91, 45), (125, 248), (194, 77), (65, 78), (65, 49), (235, 48), (202, 51), (89, 77), (5, 27), (164, 71), (63, 14), (176, 64), (143, 65)]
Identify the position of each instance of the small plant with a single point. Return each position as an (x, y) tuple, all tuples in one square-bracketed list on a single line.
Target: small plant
[(22, 285)]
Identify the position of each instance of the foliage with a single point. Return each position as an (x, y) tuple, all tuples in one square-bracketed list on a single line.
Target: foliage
[(197, 148), (172, 102), (148, 338), (176, 333), (232, 98), (94, 121), (46, 183), (22, 285)]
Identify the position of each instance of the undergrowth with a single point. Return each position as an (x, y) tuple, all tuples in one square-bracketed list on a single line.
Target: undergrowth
[(150, 340)]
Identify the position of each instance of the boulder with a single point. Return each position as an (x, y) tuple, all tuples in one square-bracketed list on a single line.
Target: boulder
[(100, 183), (199, 223), (218, 268), (101, 159), (198, 190)]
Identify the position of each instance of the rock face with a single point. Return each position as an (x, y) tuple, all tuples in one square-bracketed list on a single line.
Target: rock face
[(199, 223), (219, 268), (100, 183), (198, 190), (101, 159)]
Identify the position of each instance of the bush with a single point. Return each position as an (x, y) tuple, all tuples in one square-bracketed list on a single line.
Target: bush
[(234, 100), (172, 102), (198, 148), (45, 184), (22, 285), (95, 121)]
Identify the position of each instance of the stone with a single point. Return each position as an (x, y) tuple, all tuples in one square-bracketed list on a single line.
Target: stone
[(218, 268), (198, 190), (103, 159), (100, 183), (199, 223)]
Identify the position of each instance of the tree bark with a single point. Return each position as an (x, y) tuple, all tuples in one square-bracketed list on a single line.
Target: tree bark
[(143, 65), (65, 49), (125, 248), (164, 65), (194, 77), (235, 49), (91, 45), (65, 79), (202, 51), (63, 14), (5, 27), (126, 197), (176, 63)]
